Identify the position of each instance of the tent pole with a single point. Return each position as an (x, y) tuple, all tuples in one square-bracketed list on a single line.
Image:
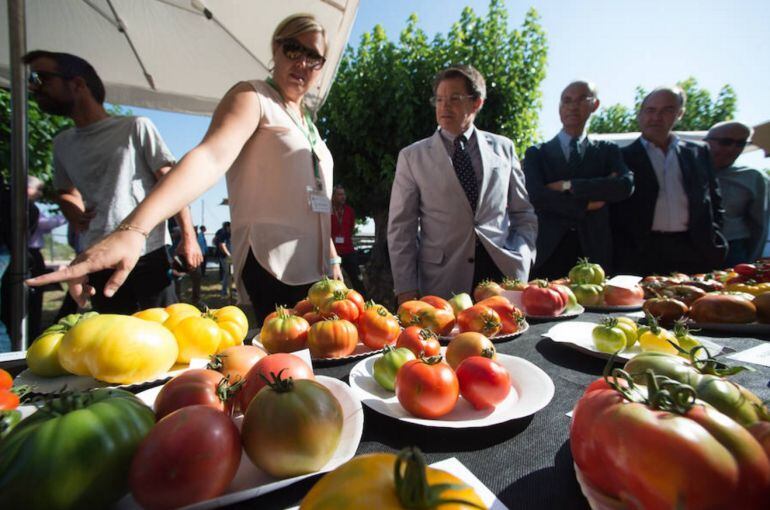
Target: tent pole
[(18, 269)]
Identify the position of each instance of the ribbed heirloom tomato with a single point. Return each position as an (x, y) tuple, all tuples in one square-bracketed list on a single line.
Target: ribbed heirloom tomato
[(332, 338), (378, 327), (427, 387), (284, 332), (193, 387), (479, 318), (420, 341), (544, 299)]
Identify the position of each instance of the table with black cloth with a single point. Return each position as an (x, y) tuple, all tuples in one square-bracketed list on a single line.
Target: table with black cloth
[(526, 462)]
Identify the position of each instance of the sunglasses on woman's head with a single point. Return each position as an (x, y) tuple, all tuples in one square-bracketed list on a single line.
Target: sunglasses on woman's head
[(293, 50)]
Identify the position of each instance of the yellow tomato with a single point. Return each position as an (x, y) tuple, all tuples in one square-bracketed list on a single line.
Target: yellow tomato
[(118, 349), (368, 481), (657, 339), (43, 355), (197, 336), (233, 323), (755, 289), (178, 312), (153, 314)]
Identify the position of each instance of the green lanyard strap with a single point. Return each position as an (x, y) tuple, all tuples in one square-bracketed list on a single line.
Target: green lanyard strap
[(311, 134)]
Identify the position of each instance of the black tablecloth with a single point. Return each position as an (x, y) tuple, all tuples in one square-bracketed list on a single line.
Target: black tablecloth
[(526, 462)]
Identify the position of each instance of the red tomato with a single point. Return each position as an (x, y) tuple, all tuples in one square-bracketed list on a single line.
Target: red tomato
[(656, 459), (332, 338), (312, 317), (292, 366), (303, 306), (189, 456), (745, 269), (417, 313), (485, 289), (378, 328), (618, 296), (511, 318), (438, 303), (273, 315), (284, 332), (479, 318), (422, 342), (427, 387), (541, 298), (337, 305), (322, 289), (468, 344), (192, 387), (6, 381), (236, 361), (483, 382), (8, 400), (358, 299)]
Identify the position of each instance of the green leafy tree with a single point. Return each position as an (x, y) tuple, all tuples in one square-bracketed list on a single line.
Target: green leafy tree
[(701, 111), (379, 105)]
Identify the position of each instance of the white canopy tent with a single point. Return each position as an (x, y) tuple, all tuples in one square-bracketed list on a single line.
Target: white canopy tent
[(174, 55)]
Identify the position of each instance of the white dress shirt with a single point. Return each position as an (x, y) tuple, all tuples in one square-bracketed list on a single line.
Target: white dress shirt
[(672, 206)]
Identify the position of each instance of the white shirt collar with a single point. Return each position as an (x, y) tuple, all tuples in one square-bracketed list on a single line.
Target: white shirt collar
[(673, 141), (448, 136)]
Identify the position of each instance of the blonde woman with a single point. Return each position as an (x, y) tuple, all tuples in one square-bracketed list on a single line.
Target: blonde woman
[(279, 176)]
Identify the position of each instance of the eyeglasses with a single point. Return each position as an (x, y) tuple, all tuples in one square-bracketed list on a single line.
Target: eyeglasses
[(568, 101), (37, 78), (295, 51), (453, 100), (727, 142)]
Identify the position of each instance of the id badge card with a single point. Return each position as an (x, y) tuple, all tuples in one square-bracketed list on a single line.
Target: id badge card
[(318, 201), (339, 240)]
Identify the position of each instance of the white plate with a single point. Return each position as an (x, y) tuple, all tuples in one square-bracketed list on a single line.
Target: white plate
[(46, 385), (563, 316), (578, 335), (611, 309), (494, 339), (249, 481), (531, 390)]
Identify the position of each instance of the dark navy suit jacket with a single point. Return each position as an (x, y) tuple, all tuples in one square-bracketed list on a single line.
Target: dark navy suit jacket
[(558, 212)]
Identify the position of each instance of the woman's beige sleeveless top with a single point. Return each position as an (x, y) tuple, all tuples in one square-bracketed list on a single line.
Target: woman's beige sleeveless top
[(269, 203)]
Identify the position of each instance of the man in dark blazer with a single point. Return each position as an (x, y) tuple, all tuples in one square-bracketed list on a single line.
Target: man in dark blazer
[(571, 179), (673, 220)]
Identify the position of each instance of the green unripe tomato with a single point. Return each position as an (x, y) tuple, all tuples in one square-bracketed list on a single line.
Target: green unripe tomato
[(386, 367)]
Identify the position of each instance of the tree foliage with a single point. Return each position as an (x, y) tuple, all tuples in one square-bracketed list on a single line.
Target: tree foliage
[(701, 112), (379, 104)]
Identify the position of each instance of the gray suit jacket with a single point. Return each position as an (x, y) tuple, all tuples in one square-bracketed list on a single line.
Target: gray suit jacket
[(432, 229)]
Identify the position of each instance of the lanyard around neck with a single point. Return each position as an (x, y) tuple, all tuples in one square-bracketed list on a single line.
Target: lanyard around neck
[(311, 133)]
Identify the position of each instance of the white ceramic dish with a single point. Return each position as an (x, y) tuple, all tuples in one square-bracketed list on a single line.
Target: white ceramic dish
[(249, 481), (47, 385), (531, 390), (577, 335)]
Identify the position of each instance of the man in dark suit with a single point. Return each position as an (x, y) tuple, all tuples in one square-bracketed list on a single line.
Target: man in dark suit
[(570, 180), (673, 220)]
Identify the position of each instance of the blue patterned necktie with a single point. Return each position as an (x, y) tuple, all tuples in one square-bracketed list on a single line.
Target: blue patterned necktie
[(461, 160), (574, 156)]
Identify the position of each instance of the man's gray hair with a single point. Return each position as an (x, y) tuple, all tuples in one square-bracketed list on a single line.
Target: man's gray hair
[(591, 86), (674, 90)]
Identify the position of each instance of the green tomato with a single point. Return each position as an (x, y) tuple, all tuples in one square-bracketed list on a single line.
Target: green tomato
[(630, 332), (386, 367), (572, 301), (608, 337), (586, 272), (588, 294), (460, 302), (74, 452)]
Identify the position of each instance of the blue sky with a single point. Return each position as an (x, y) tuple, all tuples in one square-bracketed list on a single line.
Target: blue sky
[(619, 44)]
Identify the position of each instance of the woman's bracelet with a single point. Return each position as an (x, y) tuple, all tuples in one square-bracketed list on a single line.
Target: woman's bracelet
[(132, 228), (335, 260)]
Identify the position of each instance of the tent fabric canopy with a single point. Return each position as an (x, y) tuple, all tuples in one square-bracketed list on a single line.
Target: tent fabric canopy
[(175, 55)]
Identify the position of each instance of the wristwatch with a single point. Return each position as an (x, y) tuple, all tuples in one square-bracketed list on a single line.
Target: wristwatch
[(566, 185)]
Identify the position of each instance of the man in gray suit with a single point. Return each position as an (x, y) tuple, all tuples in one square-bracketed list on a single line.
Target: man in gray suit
[(459, 210), (571, 179)]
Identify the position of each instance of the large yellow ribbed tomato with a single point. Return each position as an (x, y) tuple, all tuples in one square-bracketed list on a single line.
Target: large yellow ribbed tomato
[(153, 314), (178, 312), (43, 355), (118, 349), (369, 481), (197, 337), (233, 323)]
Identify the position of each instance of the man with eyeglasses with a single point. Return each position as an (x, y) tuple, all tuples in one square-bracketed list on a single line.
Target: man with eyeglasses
[(744, 193), (571, 181), (673, 220), (103, 167), (459, 210)]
